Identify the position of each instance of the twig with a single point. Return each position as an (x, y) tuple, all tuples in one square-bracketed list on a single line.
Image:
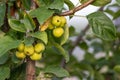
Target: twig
[(79, 38), (78, 16), (70, 12)]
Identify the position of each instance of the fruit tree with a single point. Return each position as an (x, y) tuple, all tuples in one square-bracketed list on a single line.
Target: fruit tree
[(35, 40)]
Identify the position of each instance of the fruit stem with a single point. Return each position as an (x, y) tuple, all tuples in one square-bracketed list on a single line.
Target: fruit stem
[(30, 69)]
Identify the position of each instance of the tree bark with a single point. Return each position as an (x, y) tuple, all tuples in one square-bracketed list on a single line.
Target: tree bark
[(30, 69)]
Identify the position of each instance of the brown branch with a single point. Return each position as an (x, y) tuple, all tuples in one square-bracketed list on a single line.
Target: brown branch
[(70, 12), (30, 69), (79, 38)]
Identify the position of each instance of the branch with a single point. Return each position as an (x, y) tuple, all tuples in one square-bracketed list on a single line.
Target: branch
[(79, 38), (70, 12), (30, 69)]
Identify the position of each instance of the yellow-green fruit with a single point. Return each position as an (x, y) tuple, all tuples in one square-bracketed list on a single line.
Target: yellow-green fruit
[(63, 21), (39, 47), (36, 56), (20, 55), (50, 26), (21, 47), (56, 21), (29, 50), (58, 32)]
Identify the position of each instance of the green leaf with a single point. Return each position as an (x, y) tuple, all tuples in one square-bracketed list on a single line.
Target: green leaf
[(18, 73), (59, 48), (7, 43), (70, 4), (71, 31), (2, 33), (28, 41), (98, 2), (109, 11), (52, 56), (56, 70), (41, 3), (65, 36), (99, 76), (62, 51), (101, 2), (118, 1), (26, 4), (39, 12), (102, 26), (98, 46), (28, 22), (87, 67), (102, 62), (47, 2), (41, 35), (116, 15), (15, 59), (4, 58), (83, 45), (2, 12), (56, 4), (17, 25), (4, 72), (89, 57)]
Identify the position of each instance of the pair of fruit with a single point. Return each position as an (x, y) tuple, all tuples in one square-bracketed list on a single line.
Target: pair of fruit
[(57, 23), (35, 52)]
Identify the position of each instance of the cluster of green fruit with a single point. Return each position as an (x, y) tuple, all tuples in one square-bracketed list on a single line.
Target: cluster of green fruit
[(57, 23), (34, 52)]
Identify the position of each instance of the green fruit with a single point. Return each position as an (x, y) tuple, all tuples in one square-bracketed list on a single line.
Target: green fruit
[(29, 50), (36, 56), (21, 47), (50, 26), (20, 55), (58, 32), (39, 47), (63, 21), (56, 21)]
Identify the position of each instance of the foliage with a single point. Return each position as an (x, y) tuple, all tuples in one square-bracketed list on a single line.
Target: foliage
[(21, 22), (105, 29)]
